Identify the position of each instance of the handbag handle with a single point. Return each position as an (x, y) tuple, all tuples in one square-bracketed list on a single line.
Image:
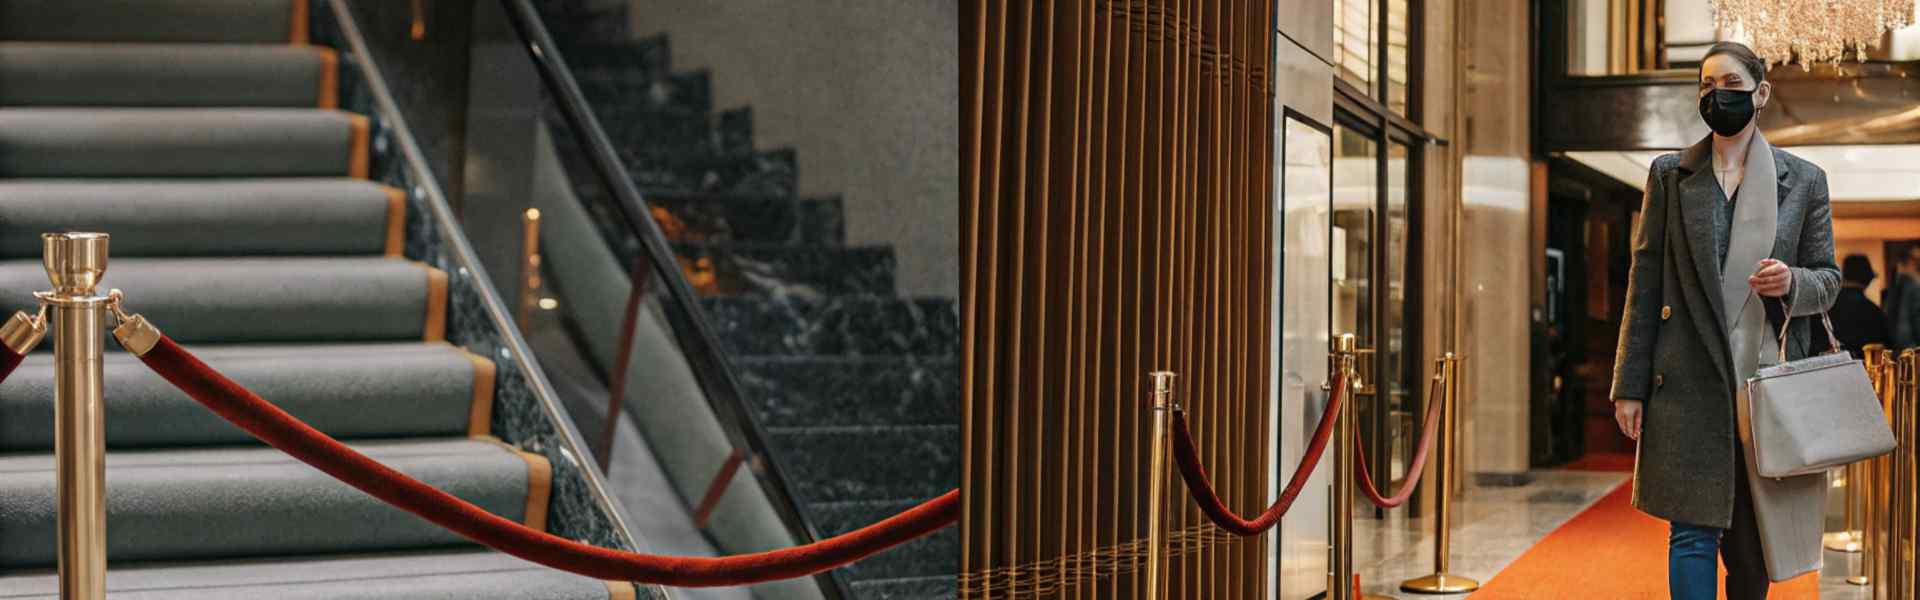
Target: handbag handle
[(1787, 312)]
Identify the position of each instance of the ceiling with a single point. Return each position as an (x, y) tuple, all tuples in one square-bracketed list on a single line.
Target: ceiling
[(1875, 173)]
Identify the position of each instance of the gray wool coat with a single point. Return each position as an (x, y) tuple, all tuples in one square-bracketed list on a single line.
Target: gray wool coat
[(1673, 348)]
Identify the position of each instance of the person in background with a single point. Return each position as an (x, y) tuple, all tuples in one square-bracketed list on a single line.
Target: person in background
[(1857, 321), (1901, 302)]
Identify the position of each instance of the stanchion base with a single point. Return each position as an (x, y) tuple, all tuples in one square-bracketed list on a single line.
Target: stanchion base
[(1858, 579), (1439, 583), (1842, 541)]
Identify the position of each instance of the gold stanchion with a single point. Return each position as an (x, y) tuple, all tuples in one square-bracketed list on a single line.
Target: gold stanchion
[(529, 291), (1860, 476), (1340, 584), (1156, 488), (1906, 580), (75, 262), (1848, 538), (1447, 369), (1879, 496)]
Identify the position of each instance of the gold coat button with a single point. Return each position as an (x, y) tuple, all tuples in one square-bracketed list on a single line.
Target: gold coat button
[(1658, 380), (1666, 312)]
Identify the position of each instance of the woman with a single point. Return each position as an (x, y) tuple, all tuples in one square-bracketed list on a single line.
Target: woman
[(1732, 230)]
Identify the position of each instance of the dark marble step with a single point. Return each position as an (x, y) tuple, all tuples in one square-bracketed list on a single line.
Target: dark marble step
[(836, 325), (937, 554), (811, 391), (572, 23), (770, 173), (942, 587), (649, 55), (837, 464), (785, 269), (609, 90), (705, 218)]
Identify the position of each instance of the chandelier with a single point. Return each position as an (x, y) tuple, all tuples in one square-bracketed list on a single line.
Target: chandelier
[(1813, 31)]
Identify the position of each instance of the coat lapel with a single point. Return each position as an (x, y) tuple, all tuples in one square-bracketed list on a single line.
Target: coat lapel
[(1755, 231), (1698, 190)]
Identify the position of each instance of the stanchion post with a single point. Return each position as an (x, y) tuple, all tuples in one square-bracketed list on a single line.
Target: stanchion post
[(75, 263), (1447, 368), (1861, 482), (1879, 495), (1156, 488), (1340, 564), (1848, 538), (529, 288), (1909, 506)]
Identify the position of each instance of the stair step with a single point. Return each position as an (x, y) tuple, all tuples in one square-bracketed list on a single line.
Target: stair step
[(835, 325), (249, 299), (349, 391), (244, 502), (829, 391), (650, 56), (769, 173), (207, 217), (936, 554), (834, 464), (573, 22), (720, 218), (638, 89), (180, 142), (253, 21), (420, 575), (69, 74), (911, 588), (658, 132), (781, 269)]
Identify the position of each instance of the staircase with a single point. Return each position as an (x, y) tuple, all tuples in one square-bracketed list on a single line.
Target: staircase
[(857, 387), (205, 136)]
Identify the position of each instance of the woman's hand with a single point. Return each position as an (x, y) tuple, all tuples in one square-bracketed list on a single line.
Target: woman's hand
[(1627, 414), (1772, 279)]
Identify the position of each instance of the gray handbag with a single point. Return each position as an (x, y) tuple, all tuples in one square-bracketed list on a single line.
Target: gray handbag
[(1813, 414)]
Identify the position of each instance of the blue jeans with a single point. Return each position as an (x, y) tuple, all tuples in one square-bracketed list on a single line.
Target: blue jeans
[(1691, 549)]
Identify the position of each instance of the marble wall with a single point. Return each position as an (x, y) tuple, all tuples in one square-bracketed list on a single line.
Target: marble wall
[(1500, 269)]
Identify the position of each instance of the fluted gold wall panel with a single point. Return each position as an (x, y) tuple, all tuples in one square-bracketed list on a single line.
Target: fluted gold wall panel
[(1116, 184)]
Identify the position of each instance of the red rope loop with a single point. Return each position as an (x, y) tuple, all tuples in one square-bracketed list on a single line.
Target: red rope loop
[(1195, 475), (1419, 464), (281, 430)]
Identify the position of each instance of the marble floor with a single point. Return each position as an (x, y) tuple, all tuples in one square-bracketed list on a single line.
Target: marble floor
[(1495, 525)]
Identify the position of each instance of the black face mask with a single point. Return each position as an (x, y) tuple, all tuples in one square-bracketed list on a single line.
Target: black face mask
[(1727, 111)]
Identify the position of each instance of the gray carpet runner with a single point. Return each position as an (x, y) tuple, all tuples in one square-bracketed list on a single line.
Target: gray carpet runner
[(202, 135)]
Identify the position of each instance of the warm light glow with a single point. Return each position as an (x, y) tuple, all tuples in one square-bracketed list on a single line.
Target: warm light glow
[(549, 303), (1812, 31)]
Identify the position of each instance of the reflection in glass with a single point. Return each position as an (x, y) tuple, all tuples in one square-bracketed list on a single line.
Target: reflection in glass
[(1298, 554), (1355, 30), (1399, 373)]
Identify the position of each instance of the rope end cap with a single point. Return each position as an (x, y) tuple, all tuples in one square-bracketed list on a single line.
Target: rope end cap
[(22, 332), (137, 335)]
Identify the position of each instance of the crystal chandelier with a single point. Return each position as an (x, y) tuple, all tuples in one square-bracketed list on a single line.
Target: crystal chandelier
[(1814, 31)]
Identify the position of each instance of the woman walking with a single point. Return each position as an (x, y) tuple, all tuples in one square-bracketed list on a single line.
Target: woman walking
[(1736, 236)]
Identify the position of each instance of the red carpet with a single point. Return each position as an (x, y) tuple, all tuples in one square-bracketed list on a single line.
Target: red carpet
[(1602, 461), (1610, 551)]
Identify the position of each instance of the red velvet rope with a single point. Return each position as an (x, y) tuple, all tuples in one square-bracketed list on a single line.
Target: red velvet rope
[(1202, 491), (1430, 425), (281, 430), (9, 360)]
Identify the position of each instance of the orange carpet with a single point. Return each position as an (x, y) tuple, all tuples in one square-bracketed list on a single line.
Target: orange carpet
[(1602, 461), (1610, 552)]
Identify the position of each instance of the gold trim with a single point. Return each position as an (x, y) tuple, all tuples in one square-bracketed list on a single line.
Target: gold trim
[(299, 27), (480, 414), (436, 325), (396, 221), (539, 482), (329, 78), (357, 137), (621, 590)]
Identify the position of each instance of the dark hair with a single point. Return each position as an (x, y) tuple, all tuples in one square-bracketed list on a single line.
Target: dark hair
[(1857, 268), (1740, 52)]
